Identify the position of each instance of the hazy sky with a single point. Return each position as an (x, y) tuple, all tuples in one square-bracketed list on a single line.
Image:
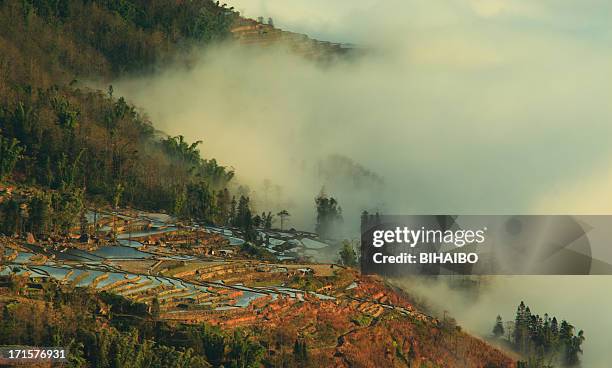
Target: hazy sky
[(357, 20), (577, 299)]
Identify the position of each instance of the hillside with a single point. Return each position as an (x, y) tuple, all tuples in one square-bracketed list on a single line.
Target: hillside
[(369, 325), (126, 246), (256, 32), (75, 140)]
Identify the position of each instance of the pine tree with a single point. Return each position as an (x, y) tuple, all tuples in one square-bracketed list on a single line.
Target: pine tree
[(566, 331), (554, 334), (243, 213), (573, 348), (329, 215), (521, 327), (244, 219), (518, 322), (554, 326), (498, 329), (547, 335)]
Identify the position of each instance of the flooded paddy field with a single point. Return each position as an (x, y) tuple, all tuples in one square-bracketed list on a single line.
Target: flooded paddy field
[(186, 269)]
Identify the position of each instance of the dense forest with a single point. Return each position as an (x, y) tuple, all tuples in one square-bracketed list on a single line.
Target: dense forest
[(75, 145), (108, 331), (543, 340)]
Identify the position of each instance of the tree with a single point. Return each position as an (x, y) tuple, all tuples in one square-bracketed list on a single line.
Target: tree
[(11, 217), (243, 213), (257, 220), (245, 353), (185, 153), (498, 329), (521, 327), (214, 343), (67, 206), (573, 348), (348, 257), (39, 220), (232, 212), (119, 188), (542, 340), (17, 283), (329, 215), (67, 115), (223, 207), (10, 153), (216, 175), (51, 121), (300, 350), (267, 220), (244, 219), (180, 199), (283, 215), (155, 309), (199, 202)]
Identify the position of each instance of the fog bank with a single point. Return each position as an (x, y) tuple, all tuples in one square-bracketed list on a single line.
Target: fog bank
[(459, 109), (581, 300)]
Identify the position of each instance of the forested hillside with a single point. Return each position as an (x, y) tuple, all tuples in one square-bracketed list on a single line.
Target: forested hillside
[(73, 144), (106, 331)]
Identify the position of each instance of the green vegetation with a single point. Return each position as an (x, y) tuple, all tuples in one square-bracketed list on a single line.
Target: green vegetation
[(498, 329), (264, 220), (348, 257), (307, 283), (65, 39), (256, 251), (77, 145), (329, 215), (243, 219), (543, 341), (10, 152), (300, 351), (363, 320), (64, 147), (107, 331)]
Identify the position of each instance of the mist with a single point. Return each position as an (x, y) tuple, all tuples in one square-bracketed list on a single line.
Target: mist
[(457, 109), (454, 107), (580, 300)]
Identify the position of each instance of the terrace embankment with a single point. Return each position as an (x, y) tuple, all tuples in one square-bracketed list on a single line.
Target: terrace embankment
[(256, 32)]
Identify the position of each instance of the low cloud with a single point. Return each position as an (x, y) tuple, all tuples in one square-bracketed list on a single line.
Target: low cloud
[(458, 107), (577, 299), (474, 107)]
